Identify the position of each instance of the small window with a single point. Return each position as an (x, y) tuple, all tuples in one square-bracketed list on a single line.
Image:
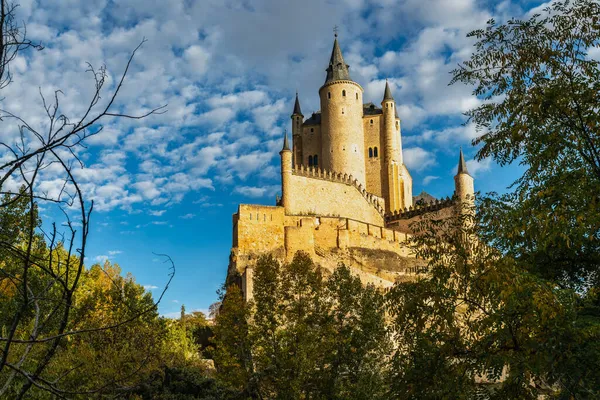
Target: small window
[(371, 122), (251, 217), (356, 96), (370, 152), (312, 129), (310, 161), (328, 95), (375, 152), (344, 93), (391, 106), (316, 160), (342, 110)]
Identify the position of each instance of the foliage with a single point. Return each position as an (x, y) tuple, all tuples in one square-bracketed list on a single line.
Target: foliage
[(308, 337), (539, 94)]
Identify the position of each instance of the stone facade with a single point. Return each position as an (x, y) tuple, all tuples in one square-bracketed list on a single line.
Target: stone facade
[(346, 192)]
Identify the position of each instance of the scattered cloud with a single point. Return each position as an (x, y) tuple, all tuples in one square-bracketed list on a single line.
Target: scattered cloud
[(477, 167), (257, 191), (418, 159), (150, 287), (187, 216), (428, 179)]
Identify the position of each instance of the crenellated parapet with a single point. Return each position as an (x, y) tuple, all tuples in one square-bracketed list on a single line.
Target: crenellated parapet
[(420, 209), (332, 176)]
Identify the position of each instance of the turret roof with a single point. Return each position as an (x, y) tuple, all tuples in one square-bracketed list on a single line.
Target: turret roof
[(337, 69), (286, 145), (297, 110), (462, 165), (387, 95)]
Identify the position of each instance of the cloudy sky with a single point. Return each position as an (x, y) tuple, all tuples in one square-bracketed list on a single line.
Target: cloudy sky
[(228, 70)]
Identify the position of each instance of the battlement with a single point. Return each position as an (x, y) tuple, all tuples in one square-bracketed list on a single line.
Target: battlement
[(319, 173), (420, 209)]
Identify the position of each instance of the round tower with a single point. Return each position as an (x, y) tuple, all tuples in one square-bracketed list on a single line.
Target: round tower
[(391, 127), (343, 147), (286, 171), (394, 187), (464, 188), (297, 120)]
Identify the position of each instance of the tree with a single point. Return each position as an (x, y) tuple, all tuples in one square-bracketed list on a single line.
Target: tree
[(540, 92), (509, 307), (46, 267), (303, 336)]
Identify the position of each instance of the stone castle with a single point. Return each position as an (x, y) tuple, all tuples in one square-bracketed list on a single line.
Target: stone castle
[(346, 194)]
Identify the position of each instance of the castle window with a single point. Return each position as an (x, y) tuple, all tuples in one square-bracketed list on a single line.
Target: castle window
[(310, 161), (250, 216), (316, 160), (370, 152), (356, 96), (342, 110), (397, 125), (344, 93), (371, 122), (328, 95), (312, 129), (375, 152)]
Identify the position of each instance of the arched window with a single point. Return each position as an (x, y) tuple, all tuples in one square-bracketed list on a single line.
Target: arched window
[(310, 161), (316, 160), (344, 93), (375, 152), (371, 122), (370, 152), (328, 95)]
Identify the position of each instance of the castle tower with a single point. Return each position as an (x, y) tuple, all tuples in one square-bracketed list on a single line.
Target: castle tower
[(286, 171), (394, 185), (297, 119), (343, 148), (463, 183)]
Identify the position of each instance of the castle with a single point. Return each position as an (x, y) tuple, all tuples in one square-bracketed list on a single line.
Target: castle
[(346, 194)]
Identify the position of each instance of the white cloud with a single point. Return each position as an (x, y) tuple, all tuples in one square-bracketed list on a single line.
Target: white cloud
[(114, 252), (256, 192), (187, 216), (157, 213), (475, 167), (418, 159), (150, 287), (428, 179)]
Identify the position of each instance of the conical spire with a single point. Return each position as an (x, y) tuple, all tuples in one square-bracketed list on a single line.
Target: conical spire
[(462, 165), (286, 146), (297, 110), (387, 95), (337, 69)]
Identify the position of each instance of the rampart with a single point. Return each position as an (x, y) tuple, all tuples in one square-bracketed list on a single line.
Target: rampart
[(317, 192)]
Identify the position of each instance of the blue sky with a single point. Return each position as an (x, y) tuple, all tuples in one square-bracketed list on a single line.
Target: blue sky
[(228, 71)]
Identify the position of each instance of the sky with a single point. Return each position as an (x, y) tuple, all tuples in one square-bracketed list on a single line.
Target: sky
[(227, 71)]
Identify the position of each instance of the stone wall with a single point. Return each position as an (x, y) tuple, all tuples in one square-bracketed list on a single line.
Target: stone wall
[(318, 192), (374, 165)]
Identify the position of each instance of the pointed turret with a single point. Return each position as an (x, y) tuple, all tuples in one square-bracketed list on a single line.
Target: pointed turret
[(337, 69), (462, 165), (297, 110), (387, 95), (464, 188), (286, 146)]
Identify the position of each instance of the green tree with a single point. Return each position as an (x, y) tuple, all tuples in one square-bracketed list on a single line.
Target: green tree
[(514, 313)]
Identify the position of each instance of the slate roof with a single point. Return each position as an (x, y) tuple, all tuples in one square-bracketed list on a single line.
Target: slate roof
[(337, 69)]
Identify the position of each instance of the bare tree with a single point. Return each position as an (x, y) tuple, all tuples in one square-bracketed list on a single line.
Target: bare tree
[(46, 265)]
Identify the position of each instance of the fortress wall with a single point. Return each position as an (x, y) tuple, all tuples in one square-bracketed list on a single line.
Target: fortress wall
[(310, 196), (311, 144), (403, 225), (374, 138), (258, 228)]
